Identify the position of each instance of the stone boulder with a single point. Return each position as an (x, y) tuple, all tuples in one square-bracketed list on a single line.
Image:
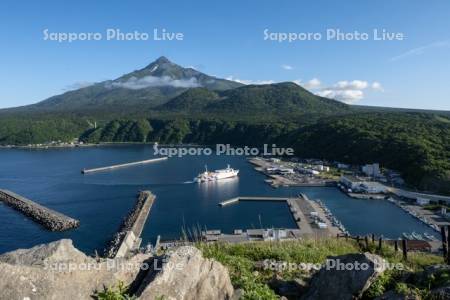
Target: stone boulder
[(59, 251), (59, 271), (442, 293), (345, 277), (186, 275), (291, 289)]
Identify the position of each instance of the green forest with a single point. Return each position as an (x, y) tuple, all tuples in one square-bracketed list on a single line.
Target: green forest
[(416, 144)]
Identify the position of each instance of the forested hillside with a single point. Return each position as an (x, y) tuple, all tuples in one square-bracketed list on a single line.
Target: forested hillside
[(169, 104)]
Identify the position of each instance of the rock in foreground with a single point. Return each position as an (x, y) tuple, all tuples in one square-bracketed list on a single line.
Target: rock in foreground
[(59, 271), (343, 283), (186, 275)]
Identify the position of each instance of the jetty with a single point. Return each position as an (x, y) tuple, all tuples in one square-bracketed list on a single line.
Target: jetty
[(237, 199), (130, 164), (50, 219), (128, 238)]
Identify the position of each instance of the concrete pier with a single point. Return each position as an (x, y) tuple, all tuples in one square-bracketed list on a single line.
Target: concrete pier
[(128, 236), (50, 219), (300, 208), (108, 168), (237, 199)]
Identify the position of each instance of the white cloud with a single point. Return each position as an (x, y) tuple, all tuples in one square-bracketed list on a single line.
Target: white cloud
[(287, 67), (377, 86), (421, 50), (346, 96), (312, 84), (349, 92), (246, 81), (135, 83), (351, 85)]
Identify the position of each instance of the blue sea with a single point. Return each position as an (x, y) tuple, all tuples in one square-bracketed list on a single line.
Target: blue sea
[(101, 200)]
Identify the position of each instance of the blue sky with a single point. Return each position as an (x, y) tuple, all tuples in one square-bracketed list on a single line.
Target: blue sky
[(226, 39)]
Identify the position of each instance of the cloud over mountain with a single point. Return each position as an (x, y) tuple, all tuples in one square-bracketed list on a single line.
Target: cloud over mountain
[(135, 83)]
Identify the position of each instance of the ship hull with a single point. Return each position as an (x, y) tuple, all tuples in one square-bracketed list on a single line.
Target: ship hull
[(217, 175)]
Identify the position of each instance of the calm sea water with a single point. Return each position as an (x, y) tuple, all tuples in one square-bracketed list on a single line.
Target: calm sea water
[(101, 200)]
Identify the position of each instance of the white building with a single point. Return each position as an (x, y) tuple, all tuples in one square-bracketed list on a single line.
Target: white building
[(351, 182), (371, 187), (372, 170), (423, 201)]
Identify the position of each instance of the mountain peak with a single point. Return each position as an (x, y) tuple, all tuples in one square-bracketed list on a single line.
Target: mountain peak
[(162, 60)]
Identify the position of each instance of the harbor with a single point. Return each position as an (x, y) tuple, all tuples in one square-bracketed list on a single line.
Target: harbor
[(131, 164), (101, 200), (285, 174), (427, 217), (48, 218)]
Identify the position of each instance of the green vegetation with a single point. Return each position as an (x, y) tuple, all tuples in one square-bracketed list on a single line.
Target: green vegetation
[(244, 264), (117, 292), (241, 261), (281, 99)]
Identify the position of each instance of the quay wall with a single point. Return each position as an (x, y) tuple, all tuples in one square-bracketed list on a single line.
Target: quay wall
[(50, 219)]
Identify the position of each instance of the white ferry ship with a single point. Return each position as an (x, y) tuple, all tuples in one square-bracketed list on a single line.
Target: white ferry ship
[(217, 174)]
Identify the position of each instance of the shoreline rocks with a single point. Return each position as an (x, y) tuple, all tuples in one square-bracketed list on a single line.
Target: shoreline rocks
[(50, 219)]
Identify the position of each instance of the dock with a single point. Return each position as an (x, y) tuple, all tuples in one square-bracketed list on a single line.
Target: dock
[(130, 164), (237, 199), (128, 239), (303, 210), (49, 218)]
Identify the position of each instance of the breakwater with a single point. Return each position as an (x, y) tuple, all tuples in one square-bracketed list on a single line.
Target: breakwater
[(142, 162), (128, 235), (50, 219)]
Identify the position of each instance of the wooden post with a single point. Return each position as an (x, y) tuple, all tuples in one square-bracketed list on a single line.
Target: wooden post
[(444, 242), (373, 238), (366, 240), (396, 245), (357, 239), (380, 243), (346, 236), (405, 249)]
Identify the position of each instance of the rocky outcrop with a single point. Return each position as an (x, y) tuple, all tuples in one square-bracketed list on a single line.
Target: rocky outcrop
[(61, 251), (345, 277), (59, 271), (186, 275)]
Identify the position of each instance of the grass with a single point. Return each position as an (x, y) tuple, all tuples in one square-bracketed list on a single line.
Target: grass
[(241, 261), (117, 292), (244, 263)]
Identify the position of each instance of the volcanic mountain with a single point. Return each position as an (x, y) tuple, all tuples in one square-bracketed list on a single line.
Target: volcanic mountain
[(151, 86)]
